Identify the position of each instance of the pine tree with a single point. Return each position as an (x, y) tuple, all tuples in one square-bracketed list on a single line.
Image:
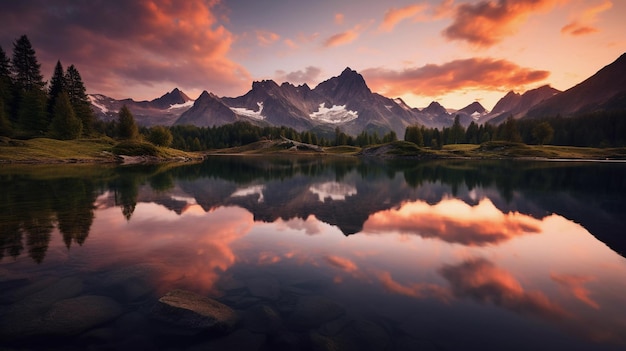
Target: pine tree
[(127, 128), (28, 81), (56, 87), (57, 82), (457, 132), (6, 95), (65, 125), (78, 98), (26, 69)]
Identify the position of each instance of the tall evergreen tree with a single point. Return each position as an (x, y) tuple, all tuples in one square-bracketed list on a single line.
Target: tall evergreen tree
[(78, 98), (127, 128), (55, 88), (57, 82), (65, 125), (457, 132), (29, 84), (26, 69), (6, 94)]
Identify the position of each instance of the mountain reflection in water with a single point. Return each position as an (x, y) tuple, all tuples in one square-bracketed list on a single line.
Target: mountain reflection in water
[(436, 255)]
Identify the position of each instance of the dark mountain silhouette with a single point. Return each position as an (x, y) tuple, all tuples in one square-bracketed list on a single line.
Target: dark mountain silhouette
[(605, 90), (516, 105)]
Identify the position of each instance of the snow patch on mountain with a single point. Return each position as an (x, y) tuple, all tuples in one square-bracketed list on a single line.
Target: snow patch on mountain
[(187, 104), (334, 115), (242, 111), (251, 190), (333, 190), (95, 100), (402, 104)]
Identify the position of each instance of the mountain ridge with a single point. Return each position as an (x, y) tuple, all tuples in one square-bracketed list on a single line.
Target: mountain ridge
[(346, 101)]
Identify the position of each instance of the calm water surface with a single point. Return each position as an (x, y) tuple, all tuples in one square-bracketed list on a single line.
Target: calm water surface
[(454, 255)]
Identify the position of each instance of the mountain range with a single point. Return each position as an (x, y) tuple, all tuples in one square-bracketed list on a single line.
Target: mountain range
[(345, 101)]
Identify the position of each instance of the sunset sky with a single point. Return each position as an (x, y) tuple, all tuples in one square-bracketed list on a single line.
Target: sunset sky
[(451, 51)]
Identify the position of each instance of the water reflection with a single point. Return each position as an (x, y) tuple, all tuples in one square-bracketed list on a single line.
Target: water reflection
[(449, 253)]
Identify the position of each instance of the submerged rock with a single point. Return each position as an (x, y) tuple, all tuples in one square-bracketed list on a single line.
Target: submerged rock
[(76, 315), (194, 312), (66, 317), (354, 335), (262, 319), (313, 311)]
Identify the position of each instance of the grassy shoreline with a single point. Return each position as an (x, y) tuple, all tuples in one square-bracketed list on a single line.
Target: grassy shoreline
[(104, 150), (49, 151)]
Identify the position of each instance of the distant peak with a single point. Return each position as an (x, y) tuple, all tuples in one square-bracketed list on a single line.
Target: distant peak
[(264, 84), (175, 91), (434, 104), (348, 71)]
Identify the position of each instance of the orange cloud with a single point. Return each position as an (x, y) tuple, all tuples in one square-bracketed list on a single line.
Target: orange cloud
[(190, 250), (343, 37), (487, 22), (417, 290), (454, 221), (339, 18), (480, 280), (266, 38), (576, 284), (584, 23), (472, 73), (342, 263), (394, 16), (137, 44)]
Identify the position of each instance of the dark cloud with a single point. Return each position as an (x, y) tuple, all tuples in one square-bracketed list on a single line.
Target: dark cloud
[(116, 44), (308, 75), (438, 79), (487, 22)]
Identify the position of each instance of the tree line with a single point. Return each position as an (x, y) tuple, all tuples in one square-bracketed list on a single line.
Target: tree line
[(597, 129), (31, 107)]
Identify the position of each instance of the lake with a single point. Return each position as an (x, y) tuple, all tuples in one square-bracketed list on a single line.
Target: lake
[(316, 254)]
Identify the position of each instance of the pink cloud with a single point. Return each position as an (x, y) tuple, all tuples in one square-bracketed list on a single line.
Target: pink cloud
[(454, 221), (343, 37), (480, 280), (487, 22), (394, 16), (266, 38), (436, 79), (576, 285), (583, 24), (339, 18)]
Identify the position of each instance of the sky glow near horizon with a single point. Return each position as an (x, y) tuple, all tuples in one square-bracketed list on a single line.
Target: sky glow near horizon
[(451, 51)]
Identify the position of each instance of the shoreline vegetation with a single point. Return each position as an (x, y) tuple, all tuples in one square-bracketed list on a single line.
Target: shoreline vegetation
[(106, 150)]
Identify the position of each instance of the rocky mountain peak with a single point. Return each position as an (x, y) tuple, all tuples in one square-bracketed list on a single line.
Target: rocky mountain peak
[(175, 97), (474, 107), (435, 108)]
